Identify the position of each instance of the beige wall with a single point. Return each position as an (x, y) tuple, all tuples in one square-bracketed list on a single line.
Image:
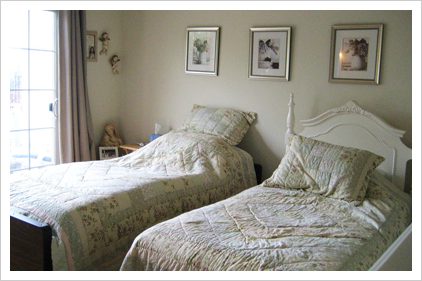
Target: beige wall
[(154, 87), (104, 87)]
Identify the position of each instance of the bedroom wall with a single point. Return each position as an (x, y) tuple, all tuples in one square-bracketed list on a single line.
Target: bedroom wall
[(156, 89), (104, 87)]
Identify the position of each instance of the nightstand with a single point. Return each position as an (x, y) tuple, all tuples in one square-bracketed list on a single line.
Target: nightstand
[(128, 148)]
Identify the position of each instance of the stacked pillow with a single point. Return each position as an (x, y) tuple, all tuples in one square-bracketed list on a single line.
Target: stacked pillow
[(229, 124), (329, 170)]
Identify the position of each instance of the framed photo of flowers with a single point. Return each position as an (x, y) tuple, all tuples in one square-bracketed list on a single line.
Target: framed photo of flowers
[(356, 53), (269, 53), (202, 44)]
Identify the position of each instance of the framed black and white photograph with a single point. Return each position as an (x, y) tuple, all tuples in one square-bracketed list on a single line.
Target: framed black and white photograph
[(269, 53), (91, 46), (202, 44), (356, 53), (108, 152)]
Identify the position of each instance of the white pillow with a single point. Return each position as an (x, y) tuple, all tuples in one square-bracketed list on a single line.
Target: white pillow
[(327, 169), (230, 124)]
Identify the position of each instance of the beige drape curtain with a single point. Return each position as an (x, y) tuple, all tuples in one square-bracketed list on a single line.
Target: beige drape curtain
[(76, 140)]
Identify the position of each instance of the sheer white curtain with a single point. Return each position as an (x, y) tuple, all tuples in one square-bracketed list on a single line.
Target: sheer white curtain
[(76, 140)]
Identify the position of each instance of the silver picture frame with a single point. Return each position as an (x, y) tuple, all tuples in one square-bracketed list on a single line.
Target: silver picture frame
[(269, 53), (355, 55), (202, 50)]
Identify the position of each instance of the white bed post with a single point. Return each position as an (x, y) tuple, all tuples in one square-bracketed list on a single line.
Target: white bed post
[(290, 120)]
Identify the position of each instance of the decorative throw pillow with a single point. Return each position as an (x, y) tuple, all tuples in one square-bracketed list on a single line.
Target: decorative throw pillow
[(330, 170), (229, 124)]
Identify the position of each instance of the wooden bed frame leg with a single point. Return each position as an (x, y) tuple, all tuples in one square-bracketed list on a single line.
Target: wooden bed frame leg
[(30, 244)]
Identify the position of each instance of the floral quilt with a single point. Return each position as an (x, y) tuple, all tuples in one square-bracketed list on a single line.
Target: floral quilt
[(264, 228), (97, 208)]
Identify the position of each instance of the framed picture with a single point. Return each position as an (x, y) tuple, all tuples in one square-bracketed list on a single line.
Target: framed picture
[(202, 45), (108, 152), (91, 46), (269, 53), (356, 53)]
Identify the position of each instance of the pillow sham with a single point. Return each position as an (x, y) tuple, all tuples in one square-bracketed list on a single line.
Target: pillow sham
[(329, 170), (229, 124)]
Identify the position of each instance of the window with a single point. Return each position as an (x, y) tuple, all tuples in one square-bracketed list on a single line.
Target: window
[(33, 89)]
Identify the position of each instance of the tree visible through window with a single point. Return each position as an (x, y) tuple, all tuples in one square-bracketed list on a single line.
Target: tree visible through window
[(33, 89)]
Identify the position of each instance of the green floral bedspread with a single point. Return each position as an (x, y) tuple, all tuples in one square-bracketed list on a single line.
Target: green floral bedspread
[(97, 208), (266, 228)]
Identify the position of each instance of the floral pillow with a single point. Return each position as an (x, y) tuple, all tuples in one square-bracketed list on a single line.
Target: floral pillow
[(330, 170), (229, 124)]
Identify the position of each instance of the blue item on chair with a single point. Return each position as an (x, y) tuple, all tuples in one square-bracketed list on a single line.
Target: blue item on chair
[(154, 136)]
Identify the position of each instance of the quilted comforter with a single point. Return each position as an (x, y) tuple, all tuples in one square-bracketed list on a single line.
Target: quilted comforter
[(97, 208), (276, 229)]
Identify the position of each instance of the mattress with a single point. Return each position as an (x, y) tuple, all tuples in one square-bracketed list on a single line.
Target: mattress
[(266, 228), (97, 208)]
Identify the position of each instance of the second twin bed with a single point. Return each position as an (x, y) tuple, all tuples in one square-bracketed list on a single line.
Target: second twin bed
[(324, 208)]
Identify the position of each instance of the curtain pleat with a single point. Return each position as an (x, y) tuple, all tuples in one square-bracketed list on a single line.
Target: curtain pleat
[(76, 140)]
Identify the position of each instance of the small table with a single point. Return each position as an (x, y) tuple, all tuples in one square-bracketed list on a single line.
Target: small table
[(128, 148)]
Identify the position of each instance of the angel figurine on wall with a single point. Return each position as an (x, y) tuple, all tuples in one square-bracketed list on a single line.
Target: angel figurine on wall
[(105, 39), (115, 64)]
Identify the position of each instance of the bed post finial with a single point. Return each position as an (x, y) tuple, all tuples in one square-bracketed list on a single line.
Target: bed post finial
[(290, 120)]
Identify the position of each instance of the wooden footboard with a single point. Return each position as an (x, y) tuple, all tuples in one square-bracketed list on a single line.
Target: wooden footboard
[(30, 244)]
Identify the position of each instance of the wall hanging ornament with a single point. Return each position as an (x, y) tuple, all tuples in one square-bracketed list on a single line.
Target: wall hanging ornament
[(105, 39), (115, 64)]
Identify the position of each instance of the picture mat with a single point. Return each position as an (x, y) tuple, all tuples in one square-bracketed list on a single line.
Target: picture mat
[(281, 37), (210, 36), (90, 42), (369, 74)]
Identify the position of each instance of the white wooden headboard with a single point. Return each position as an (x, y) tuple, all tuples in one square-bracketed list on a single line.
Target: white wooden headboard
[(350, 125)]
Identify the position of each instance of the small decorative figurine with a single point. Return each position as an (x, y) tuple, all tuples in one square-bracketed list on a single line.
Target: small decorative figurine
[(115, 64), (105, 39), (111, 137)]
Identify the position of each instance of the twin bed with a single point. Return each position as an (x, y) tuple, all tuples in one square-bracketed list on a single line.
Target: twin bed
[(324, 208), (95, 209)]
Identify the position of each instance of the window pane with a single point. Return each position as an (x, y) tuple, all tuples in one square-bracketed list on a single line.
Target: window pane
[(19, 69), (19, 110), (41, 30), (41, 117), (32, 88), (42, 147), (41, 74), (19, 150), (19, 36)]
